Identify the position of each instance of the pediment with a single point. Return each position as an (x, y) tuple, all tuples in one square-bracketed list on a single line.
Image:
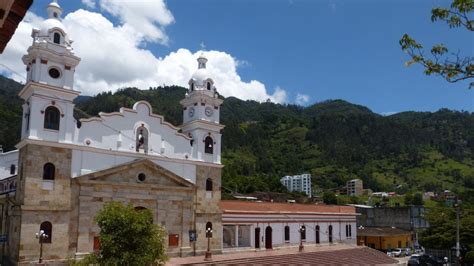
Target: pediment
[(129, 173)]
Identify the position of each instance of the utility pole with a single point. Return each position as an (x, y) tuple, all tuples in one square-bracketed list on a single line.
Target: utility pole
[(458, 246)]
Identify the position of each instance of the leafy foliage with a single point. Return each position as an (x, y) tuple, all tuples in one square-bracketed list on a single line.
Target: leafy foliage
[(442, 231), (453, 68), (329, 197), (10, 113), (129, 237)]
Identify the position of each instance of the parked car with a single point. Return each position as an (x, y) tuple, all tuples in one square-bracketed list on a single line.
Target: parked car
[(427, 259), (414, 260), (407, 252), (389, 253), (398, 252)]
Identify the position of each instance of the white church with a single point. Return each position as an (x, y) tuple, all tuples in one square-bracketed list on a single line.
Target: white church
[(64, 170)]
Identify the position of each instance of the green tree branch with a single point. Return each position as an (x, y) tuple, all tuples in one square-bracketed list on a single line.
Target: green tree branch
[(450, 66)]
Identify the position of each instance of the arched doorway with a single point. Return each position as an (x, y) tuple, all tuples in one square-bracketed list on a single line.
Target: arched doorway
[(268, 237), (257, 237)]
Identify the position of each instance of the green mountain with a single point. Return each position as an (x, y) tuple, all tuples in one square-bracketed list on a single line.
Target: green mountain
[(333, 140)]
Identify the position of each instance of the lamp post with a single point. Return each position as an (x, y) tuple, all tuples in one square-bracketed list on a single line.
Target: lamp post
[(209, 236), (301, 247), (41, 236)]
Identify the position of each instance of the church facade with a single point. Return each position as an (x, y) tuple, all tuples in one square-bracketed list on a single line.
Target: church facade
[(67, 169)]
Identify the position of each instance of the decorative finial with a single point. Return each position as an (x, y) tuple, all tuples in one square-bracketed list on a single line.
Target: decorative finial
[(54, 10), (202, 60)]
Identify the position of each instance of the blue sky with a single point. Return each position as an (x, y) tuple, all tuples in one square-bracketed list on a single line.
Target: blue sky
[(316, 49)]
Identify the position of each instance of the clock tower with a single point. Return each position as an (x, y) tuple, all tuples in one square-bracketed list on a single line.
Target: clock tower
[(201, 108)]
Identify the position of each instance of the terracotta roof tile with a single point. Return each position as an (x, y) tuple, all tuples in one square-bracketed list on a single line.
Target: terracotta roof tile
[(234, 206)]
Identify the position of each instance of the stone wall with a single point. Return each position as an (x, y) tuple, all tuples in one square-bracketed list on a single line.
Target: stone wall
[(171, 203), (39, 205), (71, 204), (207, 209)]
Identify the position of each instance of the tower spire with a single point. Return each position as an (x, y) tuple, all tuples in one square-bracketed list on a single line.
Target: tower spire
[(54, 10), (202, 60)]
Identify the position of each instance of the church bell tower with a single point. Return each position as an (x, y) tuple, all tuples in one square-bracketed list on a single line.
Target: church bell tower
[(201, 108), (48, 93)]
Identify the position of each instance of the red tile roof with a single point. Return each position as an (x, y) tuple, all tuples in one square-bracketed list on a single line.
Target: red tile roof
[(234, 206)]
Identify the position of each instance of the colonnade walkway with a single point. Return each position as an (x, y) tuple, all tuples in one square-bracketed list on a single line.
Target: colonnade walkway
[(312, 255)]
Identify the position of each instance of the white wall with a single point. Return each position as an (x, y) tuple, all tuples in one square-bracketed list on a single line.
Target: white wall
[(278, 223), (117, 131), (6, 160)]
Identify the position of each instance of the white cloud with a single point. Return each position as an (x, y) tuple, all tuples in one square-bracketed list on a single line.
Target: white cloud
[(113, 57), (301, 99), (17, 47), (89, 3), (148, 18)]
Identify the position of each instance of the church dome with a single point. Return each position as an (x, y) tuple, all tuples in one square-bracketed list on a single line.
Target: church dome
[(49, 24), (53, 26), (200, 76), (201, 79)]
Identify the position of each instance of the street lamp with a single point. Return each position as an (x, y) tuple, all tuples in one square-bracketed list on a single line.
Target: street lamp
[(301, 247), (209, 236), (41, 236)]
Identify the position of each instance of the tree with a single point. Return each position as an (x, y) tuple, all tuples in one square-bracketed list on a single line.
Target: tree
[(329, 197), (129, 237), (451, 67), (418, 199), (442, 231), (408, 199)]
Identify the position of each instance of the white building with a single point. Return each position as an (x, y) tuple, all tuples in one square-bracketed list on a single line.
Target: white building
[(8, 163), (301, 183), (265, 225)]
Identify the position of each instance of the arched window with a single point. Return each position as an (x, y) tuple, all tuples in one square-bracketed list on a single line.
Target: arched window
[(209, 145), (12, 169), (47, 227), (142, 139), (208, 184), (303, 232), (51, 118), (317, 234), (57, 38), (287, 233), (208, 86), (330, 234), (192, 86), (49, 171)]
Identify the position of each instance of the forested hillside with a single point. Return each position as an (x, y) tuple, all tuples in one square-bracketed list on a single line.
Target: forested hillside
[(333, 140)]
